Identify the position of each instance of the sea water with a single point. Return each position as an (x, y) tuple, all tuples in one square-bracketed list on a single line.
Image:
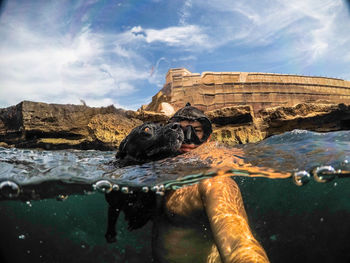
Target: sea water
[(55, 212)]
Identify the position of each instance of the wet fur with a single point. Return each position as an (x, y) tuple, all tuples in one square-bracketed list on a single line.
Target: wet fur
[(150, 142), (145, 143)]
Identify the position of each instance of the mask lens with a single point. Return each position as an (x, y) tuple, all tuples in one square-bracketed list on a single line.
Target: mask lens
[(190, 135)]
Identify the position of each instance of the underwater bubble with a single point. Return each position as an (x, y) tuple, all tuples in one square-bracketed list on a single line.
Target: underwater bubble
[(145, 189), (28, 203), (301, 178), (125, 189), (9, 189), (103, 186), (324, 174), (155, 188), (159, 189), (115, 187), (21, 237)]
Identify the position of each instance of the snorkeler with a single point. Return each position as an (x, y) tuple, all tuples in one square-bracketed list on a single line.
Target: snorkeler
[(205, 222)]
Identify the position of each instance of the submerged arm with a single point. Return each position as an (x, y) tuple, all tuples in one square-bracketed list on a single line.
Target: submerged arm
[(228, 220)]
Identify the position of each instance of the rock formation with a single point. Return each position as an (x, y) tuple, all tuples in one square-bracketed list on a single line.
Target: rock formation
[(54, 126), (243, 107), (305, 116)]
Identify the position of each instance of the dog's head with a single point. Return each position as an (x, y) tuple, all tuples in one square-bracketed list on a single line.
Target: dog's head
[(150, 142)]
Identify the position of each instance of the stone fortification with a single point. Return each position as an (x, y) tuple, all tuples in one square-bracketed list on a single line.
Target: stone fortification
[(214, 90)]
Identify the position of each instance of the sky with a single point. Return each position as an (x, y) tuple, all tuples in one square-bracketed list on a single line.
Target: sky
[(118, 52)]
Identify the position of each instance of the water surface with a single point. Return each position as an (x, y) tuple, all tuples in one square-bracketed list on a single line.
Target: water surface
[(62, 218)]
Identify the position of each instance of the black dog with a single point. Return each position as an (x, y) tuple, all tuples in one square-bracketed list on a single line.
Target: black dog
[(150, 142), (146, 143)]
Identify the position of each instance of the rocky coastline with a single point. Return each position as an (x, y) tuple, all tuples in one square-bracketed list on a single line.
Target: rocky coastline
[(244, 107), (64, 126)]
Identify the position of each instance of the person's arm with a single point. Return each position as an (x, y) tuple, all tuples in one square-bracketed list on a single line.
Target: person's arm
[(228, 220)]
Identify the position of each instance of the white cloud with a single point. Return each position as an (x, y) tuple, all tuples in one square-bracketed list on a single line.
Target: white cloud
[(184, 13), (185, 58), (64, 68), (187, 36), (314, 27), (178, 36)]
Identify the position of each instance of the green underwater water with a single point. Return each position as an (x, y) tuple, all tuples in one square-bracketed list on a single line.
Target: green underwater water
[(294, 224), (65, 231)]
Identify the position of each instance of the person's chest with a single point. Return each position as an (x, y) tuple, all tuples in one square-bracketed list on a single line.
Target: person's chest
[(184, 204)]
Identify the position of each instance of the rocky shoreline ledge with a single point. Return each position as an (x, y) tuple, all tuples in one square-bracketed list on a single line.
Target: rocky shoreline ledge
[(54, 126)]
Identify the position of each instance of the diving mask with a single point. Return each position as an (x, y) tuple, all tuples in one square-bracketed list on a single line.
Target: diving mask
[(191, 113), (190, 136)]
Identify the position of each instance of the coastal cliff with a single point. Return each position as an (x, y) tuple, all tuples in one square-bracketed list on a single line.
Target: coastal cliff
[(275, 104), (54, 126)]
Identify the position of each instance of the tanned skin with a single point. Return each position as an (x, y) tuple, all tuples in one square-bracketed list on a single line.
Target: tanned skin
[(199, 132), (205, 222)]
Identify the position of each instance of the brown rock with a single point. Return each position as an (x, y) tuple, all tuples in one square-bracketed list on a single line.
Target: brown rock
[(4, 145), (232, 135), (111, 129), (231, 115), (314, 117), (55, 126), (145, 116), (151, 116)]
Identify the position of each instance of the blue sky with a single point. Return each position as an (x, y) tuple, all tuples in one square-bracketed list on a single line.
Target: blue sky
[(118, 52)]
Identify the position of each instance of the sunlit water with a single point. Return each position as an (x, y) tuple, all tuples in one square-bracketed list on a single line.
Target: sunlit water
[(62, 215)]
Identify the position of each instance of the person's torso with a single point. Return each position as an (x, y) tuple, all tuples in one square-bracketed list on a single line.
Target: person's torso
[(181, 231)]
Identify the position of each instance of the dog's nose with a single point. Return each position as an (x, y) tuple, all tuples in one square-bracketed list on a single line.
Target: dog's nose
[(175, 126)]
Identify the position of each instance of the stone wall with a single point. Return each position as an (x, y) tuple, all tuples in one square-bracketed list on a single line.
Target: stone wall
[(215, 90)]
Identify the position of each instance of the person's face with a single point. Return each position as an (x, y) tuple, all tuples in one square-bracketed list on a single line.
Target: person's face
[(198, 128)]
